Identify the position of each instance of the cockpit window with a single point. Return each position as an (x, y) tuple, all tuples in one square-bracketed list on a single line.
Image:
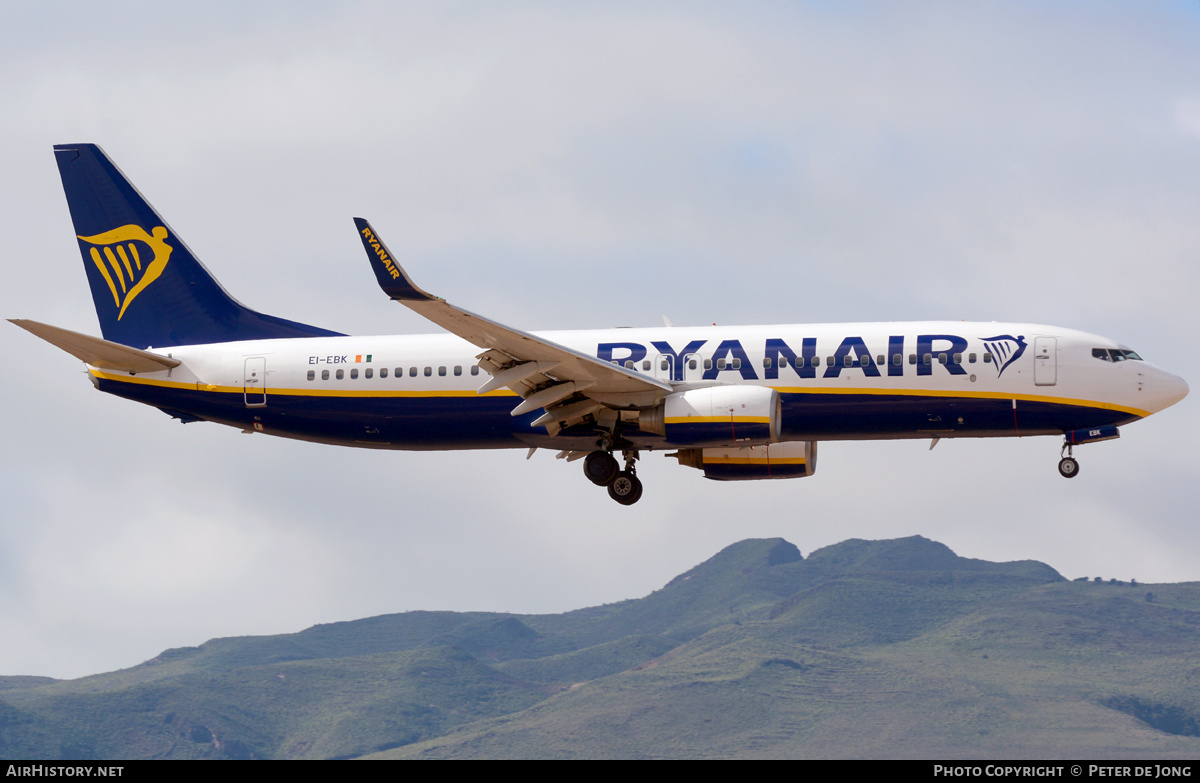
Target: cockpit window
[(1115, 354)]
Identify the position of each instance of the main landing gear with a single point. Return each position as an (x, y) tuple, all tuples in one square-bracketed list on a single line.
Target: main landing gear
[(1068, 466), (623, 485)]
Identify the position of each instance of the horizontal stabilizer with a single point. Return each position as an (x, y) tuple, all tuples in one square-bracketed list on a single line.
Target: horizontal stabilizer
[(96, 352)]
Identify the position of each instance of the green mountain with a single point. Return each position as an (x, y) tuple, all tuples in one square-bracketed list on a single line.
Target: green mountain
[(863, 649)]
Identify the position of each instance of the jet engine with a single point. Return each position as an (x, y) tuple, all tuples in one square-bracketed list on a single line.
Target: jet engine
[(794, 459), (716, 416)]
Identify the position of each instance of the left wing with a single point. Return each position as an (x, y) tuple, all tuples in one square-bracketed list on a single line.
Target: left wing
[(569, 384)]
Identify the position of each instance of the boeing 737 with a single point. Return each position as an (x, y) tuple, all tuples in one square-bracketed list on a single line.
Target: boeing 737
[(749, 402)]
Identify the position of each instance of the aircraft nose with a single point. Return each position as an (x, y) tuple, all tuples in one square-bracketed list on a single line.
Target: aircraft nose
[(1168, 389)]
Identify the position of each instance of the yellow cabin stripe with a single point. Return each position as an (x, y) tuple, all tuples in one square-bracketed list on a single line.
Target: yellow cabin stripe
[(295, 392), (977, 395)]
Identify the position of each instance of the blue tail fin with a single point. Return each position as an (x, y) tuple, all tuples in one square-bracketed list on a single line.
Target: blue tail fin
[(148, 288)]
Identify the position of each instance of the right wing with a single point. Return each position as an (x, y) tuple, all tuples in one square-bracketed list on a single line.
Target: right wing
[(570, 385)]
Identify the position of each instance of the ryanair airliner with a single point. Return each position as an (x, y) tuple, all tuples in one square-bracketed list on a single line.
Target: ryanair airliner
[(748, 402)]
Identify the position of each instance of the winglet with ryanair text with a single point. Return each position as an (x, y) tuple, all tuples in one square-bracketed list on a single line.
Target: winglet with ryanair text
[(394, 281)]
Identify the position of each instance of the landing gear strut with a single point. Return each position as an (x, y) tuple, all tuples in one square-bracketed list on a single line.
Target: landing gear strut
[(1068, 466), (623, 485)]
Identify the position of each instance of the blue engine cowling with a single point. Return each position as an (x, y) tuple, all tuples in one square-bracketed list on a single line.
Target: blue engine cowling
[(794, 459)]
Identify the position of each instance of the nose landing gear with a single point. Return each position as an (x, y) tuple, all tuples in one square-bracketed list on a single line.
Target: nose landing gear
[(623, 485), (1068, 466)]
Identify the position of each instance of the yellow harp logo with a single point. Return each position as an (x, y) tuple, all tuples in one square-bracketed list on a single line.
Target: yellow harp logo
[(115, 254)]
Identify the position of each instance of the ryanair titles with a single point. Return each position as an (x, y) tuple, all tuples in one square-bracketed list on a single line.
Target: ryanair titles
[(380, 251), (694, 360)]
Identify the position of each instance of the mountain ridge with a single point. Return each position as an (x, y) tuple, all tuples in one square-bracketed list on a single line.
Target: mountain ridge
[(758, 650)]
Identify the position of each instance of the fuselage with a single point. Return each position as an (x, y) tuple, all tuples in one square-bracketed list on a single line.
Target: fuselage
[(835, 382)]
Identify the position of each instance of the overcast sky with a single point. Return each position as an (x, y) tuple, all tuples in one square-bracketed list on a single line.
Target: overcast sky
[(579, 166)]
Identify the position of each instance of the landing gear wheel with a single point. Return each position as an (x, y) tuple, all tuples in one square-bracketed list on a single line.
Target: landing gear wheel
[(600, 467), (626, 489), (1068, 467)]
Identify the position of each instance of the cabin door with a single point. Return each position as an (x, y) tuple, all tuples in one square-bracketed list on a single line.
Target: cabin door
[(1045, 361), (255, 387), (693, 367), (664, 367)]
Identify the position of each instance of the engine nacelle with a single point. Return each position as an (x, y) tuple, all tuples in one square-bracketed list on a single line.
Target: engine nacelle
[(717, 416), (794, 459)]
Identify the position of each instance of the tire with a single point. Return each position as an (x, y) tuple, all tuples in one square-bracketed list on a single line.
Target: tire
[(626, 489), (1068, 467), (600, 467)]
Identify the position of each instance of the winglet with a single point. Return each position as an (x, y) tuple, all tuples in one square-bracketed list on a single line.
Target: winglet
[(394, 281)]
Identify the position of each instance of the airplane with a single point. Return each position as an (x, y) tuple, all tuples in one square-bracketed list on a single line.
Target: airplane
[(737, 403)]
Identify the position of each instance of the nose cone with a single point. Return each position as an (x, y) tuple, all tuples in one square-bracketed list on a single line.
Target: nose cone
[(1166, 389)]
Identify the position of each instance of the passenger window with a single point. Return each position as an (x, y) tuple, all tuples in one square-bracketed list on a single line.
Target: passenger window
[(368, 372), (880, 359), (412, 372), (912, 358), (646, 365), (971, 358), (800, 362), (324, 375), (720, 364), (382, 372), (897, 359), (692, 364), (354, 373), (928, 359), (664, 365), (987, 358), (474, 369), (942, 358), (846, 360), (958, 358), (341, 374), (428, 372), (628, 364), (442, 371), (864, 360), (737, 364), (767, 362), (829, 361), (708, 364), (312, 375), (458, 369)]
